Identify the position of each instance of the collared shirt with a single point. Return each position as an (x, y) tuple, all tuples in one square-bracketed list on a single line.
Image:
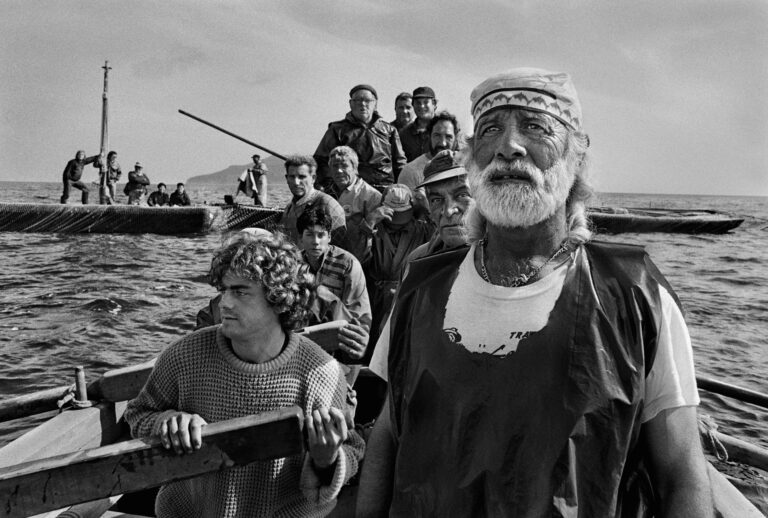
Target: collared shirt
[(342, 275), (415, 142), (319, 200), (358, 200)]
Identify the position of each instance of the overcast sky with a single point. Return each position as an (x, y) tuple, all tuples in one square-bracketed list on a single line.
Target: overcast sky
[(674, 93)]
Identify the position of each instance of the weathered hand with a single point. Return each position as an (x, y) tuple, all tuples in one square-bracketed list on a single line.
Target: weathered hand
[(353, 340), (382, 212), (326, 430), (182, 432)]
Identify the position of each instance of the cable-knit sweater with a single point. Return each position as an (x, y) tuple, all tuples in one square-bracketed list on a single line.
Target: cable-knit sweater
[(201, 374)]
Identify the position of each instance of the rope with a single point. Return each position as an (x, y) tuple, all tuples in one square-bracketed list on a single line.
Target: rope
[(708, 430)]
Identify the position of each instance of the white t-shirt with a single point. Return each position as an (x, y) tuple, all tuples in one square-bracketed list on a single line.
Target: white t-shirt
[(671, 382)]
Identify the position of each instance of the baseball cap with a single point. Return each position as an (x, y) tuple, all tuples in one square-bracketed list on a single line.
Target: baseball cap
[(423, 91), (138, 164), (397, 197)]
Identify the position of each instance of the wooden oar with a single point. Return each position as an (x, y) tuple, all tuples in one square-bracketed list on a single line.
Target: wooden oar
[(124, 384), (63, 480), (727, 389), (238, 137)]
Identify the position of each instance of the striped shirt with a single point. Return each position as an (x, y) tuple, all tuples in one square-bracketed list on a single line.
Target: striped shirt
[(343, 276)]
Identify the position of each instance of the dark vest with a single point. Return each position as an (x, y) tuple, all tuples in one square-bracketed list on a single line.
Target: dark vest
[(549, 430)]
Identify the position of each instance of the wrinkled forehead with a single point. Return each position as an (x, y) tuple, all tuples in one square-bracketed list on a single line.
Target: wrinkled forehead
[(338, 159), (514, 115), (448, 186)]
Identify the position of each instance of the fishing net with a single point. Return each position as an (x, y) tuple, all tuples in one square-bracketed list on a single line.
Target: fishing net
[(239, 217), (127, 219)]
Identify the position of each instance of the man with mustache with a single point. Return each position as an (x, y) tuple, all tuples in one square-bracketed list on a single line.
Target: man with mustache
[(443, 131), (375, 141), (537, 372), (449, 198)]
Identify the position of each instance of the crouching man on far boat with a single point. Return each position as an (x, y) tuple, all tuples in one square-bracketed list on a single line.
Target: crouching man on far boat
[(252, 363), (535, 372)]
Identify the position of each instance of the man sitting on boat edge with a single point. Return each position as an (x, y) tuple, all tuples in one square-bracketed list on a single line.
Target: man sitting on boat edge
[(252, 363), (535, 373), (159, 198), (179, 197)]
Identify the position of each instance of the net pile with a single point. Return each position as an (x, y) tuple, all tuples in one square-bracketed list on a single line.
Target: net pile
[(239, 217), (126, 219)]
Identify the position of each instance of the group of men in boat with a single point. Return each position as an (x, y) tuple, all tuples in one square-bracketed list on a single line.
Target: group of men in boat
[(531, 371), (136, 188)]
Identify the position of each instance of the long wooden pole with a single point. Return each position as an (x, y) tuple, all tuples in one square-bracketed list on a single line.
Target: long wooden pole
[(104, 196), (238, 137), (726, 389), (82, 476)]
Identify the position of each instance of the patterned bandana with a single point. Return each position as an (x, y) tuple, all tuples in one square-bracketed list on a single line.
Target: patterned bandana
[(530, 88)]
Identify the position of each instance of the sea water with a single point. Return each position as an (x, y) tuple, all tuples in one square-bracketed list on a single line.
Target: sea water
[(105, 301)]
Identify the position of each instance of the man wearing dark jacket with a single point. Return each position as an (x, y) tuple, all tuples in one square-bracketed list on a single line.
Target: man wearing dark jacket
[(72, 174), (414, 137), (375, 141), (159, 198), (179, 197)]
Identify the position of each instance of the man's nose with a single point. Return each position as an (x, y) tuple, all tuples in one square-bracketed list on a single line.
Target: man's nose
[(450, 208), (511, 144), (225, 300)]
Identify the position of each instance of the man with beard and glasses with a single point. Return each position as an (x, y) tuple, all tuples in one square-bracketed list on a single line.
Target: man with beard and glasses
[(536, 372)]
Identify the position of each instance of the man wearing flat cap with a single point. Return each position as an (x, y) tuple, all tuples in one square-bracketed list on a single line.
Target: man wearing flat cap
[(536, 372), (448, 195), (415, 136), (375, 141)]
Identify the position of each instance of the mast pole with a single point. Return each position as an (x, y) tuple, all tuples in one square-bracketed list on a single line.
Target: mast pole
[(104, 195)]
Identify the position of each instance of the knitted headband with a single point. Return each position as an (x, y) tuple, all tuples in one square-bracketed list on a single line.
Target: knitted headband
[(530, 88)]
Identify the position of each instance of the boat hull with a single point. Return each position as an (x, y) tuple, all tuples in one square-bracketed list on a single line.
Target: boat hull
[(131, 219), (616, 221)]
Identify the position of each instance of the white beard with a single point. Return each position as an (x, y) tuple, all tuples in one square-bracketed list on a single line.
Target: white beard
[(520, 204)]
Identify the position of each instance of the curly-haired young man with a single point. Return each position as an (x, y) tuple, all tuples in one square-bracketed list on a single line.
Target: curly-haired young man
[(252, 363)]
